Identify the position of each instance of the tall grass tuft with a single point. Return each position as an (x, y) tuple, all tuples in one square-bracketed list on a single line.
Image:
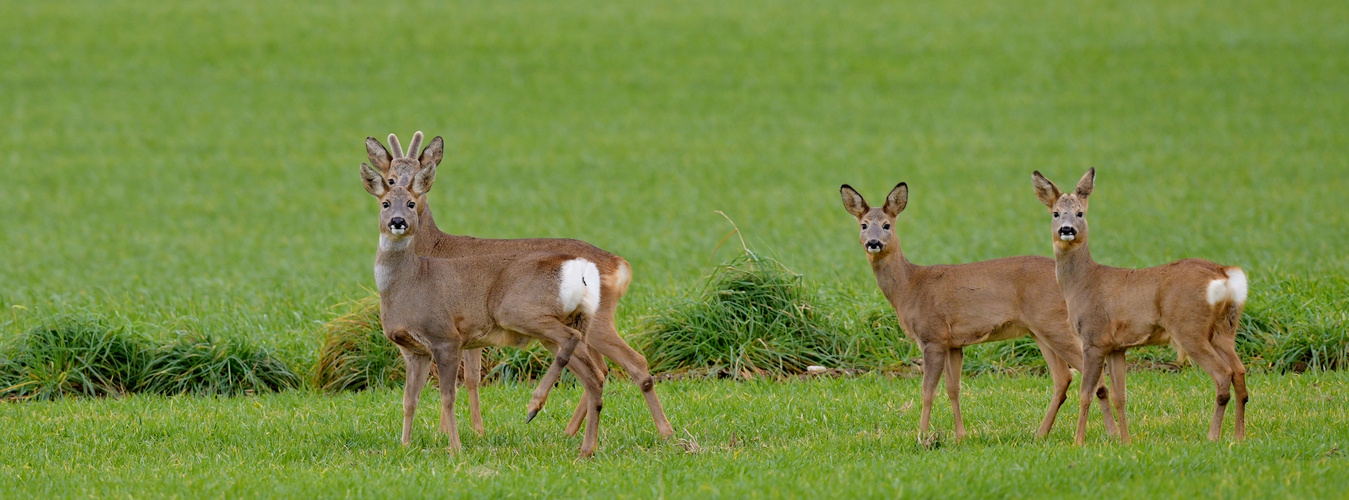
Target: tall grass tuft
[(78, 355), (197, 364), (355, 355), (1284, 330), (750, 318)]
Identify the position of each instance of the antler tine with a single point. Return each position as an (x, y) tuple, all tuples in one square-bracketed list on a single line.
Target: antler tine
[(415, 145), (397, 148)]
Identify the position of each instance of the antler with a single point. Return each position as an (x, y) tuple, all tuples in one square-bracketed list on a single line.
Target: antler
[(397, 148), (415, 145)]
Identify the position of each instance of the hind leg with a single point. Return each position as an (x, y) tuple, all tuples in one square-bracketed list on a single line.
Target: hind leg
[(578, 417), (1115, 360), (1062, 378), (1226, 346), (955, 359), (1201, 351), (605, 339)]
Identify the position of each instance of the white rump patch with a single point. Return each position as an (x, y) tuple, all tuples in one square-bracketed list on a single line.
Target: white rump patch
[(579, 287), (1236, 285), (1231, 289), (1217, 291)]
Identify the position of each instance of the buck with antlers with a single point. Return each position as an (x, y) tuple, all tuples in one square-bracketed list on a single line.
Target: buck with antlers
[(601, 337), (433, 308), (945, 308), (1193, 303)]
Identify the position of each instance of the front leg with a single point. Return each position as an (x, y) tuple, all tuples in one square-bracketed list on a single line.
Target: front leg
[(418, 367), (934, 361), (447, 361), (1093, 361)]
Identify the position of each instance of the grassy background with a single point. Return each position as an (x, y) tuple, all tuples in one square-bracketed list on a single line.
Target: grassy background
[(840, 437), (191, 166)]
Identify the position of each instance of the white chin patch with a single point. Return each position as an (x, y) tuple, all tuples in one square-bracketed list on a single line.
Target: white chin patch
[(398, 230), (873, 250), (1067, 237)]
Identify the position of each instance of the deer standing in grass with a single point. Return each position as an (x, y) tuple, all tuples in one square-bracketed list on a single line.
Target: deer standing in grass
[(1193, 303), (945, 308), (433, 308), (601, 337)]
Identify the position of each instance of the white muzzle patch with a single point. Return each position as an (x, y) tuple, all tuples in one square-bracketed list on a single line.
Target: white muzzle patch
[(1067, 237), (397, 230), (874, 250)]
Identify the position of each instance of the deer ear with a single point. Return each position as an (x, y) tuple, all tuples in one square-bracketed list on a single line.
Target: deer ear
[(853, 202), (433, 153), (896, 200), (421, 183), (379, 157), (1085, 185), (1045, 190), (374, 183)]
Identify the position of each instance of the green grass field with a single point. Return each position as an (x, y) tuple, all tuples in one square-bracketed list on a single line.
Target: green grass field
[(192, 168)]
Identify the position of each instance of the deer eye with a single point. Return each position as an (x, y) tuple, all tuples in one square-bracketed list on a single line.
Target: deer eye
[(1056, 215), (864, 225), (386, 204), (412, 204), (886, 226), (390, 182), (1079, 214)]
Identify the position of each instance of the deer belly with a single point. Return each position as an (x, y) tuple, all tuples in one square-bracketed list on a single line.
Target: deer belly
[(500, 337)]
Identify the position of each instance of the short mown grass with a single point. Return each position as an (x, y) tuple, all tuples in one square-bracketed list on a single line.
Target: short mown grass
[(853, 437)]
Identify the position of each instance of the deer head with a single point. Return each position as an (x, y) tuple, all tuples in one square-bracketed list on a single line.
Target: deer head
[(877, 224), (398, 215), (1069, 224), (399, 169)]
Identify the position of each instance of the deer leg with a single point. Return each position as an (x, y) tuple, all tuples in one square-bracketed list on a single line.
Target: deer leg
[(589, 377), (1062, 378), (1092, 364), (1117, 368), (1226, 346), (955, 358), (1065, 346), (579, 416), (418, 368), (934, 362), (447, 361), (1203, 354), (566, 345), (473, 377), (606, 340)]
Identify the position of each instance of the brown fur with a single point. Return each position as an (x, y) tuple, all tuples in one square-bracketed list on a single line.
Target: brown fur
[(601, 337), (945, 308), (1113, 309), (433, 308)]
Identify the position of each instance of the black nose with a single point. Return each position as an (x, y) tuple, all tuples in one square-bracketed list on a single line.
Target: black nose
[(1067, 231), (398, 223), (873, 244)]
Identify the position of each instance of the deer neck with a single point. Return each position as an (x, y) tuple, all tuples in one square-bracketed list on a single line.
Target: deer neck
[(894, 272), (396, 261), (1072, 264), (427, 224)]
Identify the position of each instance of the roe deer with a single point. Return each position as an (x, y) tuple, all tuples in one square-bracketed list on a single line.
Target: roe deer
[(601, 337), (947, 307), (1193, 304), (433, 308)]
